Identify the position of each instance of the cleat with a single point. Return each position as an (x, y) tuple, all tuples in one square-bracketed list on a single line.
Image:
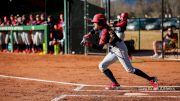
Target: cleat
[(155, 56), (113, 86), (154, 83)]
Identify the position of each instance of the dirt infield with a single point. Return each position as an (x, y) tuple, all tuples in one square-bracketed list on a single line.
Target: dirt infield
[(31, 77)]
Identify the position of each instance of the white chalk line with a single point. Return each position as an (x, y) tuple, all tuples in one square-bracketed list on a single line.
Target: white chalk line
[(59, 97), (104, 90), (129, 91), (80, 86), (48, 81), (67, 83), (119, 96)]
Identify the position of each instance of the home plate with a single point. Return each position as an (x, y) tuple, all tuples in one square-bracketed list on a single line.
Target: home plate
[(135, 94)]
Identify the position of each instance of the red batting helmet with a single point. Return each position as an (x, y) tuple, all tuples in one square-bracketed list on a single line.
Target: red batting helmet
[(124, 16), (99, 18)]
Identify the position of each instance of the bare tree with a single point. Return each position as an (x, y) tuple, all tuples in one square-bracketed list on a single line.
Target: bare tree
[(142, 8)]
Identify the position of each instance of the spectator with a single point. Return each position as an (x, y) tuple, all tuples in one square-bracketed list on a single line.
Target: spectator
[(167, 43)]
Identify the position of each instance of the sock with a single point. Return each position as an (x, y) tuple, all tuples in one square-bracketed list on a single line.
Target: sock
[(109, 74), (142, 74)]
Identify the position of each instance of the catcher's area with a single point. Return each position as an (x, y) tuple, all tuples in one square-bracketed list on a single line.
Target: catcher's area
[(77, 78)]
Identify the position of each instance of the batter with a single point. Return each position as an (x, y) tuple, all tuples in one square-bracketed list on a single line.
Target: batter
[(118, 50)]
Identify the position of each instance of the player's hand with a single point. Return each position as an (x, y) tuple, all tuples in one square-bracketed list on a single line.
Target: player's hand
[(86, 40)]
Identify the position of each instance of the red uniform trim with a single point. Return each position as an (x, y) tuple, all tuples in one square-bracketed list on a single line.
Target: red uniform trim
[(103, 36)]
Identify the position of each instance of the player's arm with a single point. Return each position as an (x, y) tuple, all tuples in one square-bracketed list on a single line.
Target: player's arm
[(120, 24), (85, 41), (102, 40)]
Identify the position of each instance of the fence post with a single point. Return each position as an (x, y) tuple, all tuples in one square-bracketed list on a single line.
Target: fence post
[(139, 33), (46, 37)]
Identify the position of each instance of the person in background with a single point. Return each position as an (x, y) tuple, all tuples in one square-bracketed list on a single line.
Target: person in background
[(26, 37), (31, 21), (50, 22), (168, 42), (2, 38), (37, 36), (55, 38), (120, 27), (60, 27), (6, 22), (18, 35)]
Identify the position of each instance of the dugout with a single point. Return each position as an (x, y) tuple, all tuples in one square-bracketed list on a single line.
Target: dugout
[(73, 10)]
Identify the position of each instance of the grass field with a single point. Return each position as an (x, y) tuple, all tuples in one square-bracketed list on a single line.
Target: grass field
[(146, 38)]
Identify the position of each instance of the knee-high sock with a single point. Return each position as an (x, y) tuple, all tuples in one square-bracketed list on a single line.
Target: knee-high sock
[(110, 75), (142, 74)]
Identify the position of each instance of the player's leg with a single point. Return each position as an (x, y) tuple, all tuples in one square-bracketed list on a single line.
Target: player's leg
[(103, 66), (33, 42), (23, 41), (28, 41), (36, 41), (39, 41), (124, 60), (3, 40), (7, 35)]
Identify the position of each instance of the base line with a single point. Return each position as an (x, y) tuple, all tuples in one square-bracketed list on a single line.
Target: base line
[(128, 91), (48, 81), (67, 83), (120, 96)]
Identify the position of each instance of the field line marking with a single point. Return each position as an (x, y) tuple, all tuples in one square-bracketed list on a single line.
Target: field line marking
[(104, 90), (59, 97), (67, 83), (135, 94), (146, 86), (161, 91), (48, 81), (129, 91), (121, 96), (78, 88)]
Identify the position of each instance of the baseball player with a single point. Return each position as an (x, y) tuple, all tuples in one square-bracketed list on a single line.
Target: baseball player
[(26, 37), (121, 24), (18, 35), (120, 27), (6, 33), (38, 35), (2, 37), (118, 50)]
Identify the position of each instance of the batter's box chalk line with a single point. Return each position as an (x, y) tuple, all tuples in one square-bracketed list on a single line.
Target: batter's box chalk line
[(162, 89), (126, 95)]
